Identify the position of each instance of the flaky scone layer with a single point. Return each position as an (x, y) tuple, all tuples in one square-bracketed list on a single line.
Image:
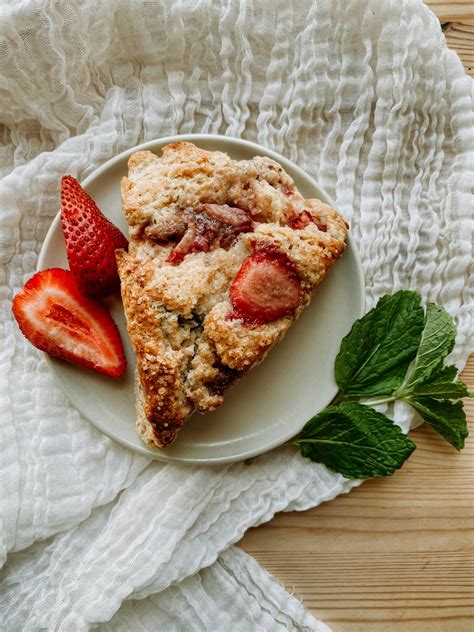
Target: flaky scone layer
[(188, 349)]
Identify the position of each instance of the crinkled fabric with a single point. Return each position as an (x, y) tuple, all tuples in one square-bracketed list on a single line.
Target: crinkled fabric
[(366, 97)]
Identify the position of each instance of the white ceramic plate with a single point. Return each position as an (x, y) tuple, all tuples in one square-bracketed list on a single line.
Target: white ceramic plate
[(268, 406)]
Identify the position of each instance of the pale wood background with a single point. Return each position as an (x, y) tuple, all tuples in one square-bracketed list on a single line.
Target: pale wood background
[(396, 554)]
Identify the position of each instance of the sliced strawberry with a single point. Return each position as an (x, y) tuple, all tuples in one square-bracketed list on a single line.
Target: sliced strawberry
[(266, 287), (57, 318), (91, 241)]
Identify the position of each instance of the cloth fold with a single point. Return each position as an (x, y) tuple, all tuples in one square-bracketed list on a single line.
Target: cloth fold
[(367, 99)]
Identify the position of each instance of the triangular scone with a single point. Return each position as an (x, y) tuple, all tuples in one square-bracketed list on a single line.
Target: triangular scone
[(224, 255)]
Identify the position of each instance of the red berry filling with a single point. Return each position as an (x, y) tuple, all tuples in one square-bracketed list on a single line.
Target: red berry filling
[(210, 226), (266, 287), (304, 219)]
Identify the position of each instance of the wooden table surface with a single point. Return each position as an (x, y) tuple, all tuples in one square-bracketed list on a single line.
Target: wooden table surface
[(396, 553)]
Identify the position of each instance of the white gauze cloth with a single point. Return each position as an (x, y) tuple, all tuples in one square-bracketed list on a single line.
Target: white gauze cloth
[(364, 96)]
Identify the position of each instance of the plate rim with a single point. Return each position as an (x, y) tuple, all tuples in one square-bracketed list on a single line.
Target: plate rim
[(156, 453)]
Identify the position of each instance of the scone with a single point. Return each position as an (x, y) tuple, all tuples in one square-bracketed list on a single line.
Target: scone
[(224, 255)]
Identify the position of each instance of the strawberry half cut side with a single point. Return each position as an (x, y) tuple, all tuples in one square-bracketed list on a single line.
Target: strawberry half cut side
[(266, 287), (91, 241), (56, 317)]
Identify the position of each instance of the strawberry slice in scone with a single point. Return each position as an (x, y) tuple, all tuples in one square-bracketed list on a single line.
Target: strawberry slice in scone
[(224, 255)]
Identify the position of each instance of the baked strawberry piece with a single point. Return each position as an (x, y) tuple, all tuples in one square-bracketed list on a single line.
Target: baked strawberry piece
[(224, 255), (266, 287), (208, 226), (91, 241), (56, 317)]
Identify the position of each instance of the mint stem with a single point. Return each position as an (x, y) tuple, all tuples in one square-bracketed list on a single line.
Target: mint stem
[(381, 400), (341, 397), (338, 398)]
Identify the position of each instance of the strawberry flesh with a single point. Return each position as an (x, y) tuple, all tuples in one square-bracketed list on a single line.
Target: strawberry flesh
[(266, 287), (56, 317), (210, 226), (91, 241), (304, 219)]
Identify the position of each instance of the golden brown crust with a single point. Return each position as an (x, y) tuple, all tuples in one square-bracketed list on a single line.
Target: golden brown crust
[(160, 370), (188, 349)]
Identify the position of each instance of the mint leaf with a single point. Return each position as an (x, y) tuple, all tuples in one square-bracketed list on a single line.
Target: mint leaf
[(447, 418), (438, 390), (355, 440), (437, 340), (376, 353), (443, 374), (393, 352), (440, 386)]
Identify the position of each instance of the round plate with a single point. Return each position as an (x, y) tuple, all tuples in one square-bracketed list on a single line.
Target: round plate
[(269, 405)]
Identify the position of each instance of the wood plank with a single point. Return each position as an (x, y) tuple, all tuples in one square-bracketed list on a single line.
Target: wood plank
[(396, 554), (451, 11), (460, 37)]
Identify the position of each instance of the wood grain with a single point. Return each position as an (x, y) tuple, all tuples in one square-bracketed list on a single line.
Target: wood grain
[(446, 11), (396, 554), (460, 37)]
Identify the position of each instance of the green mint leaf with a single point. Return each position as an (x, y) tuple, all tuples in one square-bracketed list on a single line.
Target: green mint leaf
[(447, 418), (440, 390), (443, 374), (437, 340), (440, 385), (376, 353), (355, 440)]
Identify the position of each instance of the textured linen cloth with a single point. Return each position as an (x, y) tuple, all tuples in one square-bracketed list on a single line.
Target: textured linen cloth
[(367, 99)]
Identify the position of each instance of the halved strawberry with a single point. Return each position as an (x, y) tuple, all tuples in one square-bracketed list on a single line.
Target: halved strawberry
[(91, 241), (57, 318), (266, 287)]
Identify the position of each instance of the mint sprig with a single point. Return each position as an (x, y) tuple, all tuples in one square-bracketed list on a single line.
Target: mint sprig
[(395, 352)]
